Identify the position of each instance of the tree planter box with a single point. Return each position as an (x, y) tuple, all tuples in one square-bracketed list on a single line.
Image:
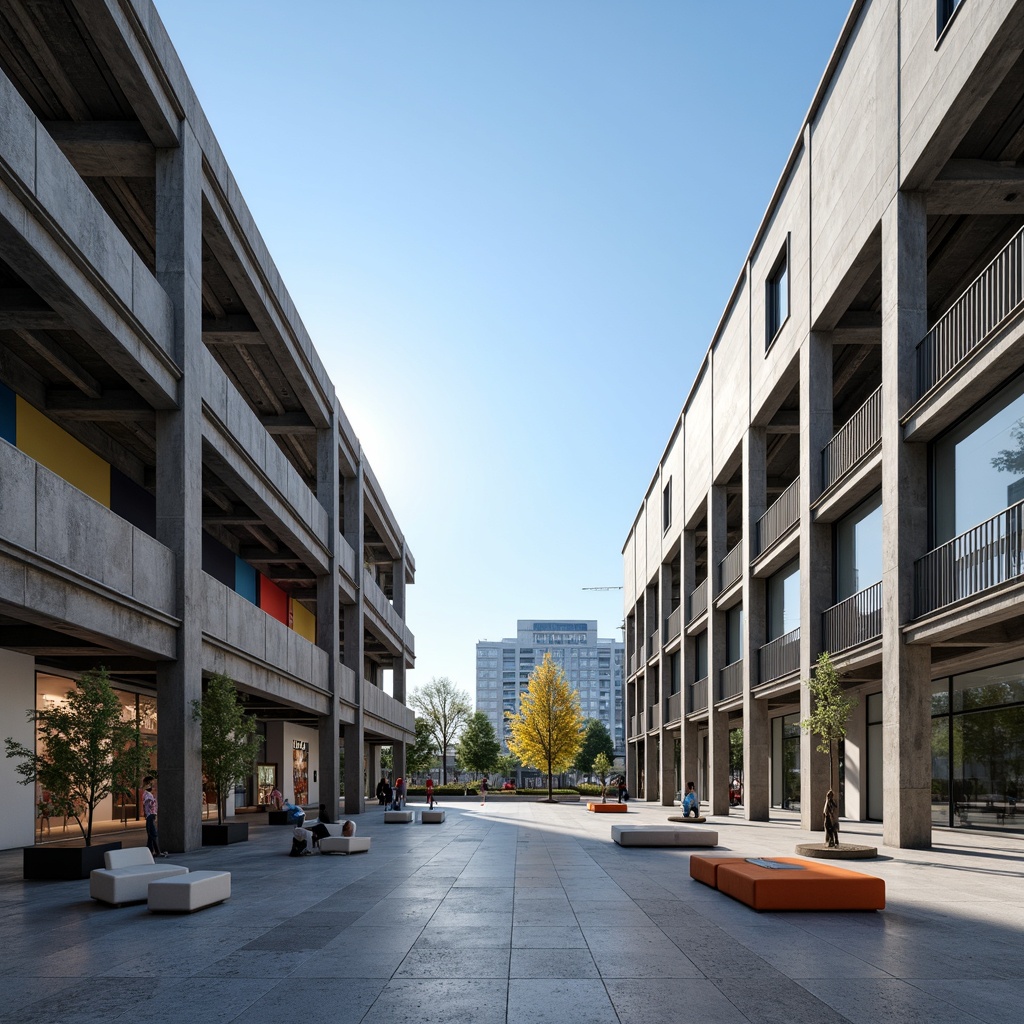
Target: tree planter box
[(224, 835), (277, 817), (64, 863)]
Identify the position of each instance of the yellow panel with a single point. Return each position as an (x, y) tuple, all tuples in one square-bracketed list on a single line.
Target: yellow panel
[(54, 448), (303, 621)]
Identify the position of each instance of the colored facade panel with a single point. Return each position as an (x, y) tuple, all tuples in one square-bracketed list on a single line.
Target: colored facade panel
[(245, 581), (218, 561), (273, 600), (8, 415), (54, 448), (132, 502), (303, 621)]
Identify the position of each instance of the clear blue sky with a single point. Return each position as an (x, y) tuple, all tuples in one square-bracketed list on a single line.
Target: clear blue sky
[(511, 229)]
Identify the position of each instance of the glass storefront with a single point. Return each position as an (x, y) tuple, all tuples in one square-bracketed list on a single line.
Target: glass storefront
[(978, 748), (786, 762)]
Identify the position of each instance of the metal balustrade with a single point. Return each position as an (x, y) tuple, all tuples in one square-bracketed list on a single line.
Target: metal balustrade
[(730, 680), (779, 657), (654, 717), (632, 664), (673, 624), (698, 695), (853, 621), (730, 569), (674, 707), (992, 297), (777, 521), (985, 556), (698, 600), (653, 644), (853, 440)]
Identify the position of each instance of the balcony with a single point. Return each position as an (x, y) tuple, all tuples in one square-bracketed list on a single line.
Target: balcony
[(674, 707), (730, 568), (698, 696), (698, 600), (673, 624), (653, 717), (730, 680), (783, 515), (861, 433), (854, 621), (995, 294), (653, 644), (985, 556), (779, 657), (636, 662)]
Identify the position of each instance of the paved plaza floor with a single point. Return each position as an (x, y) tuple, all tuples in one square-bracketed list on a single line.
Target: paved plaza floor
[(527, 913)]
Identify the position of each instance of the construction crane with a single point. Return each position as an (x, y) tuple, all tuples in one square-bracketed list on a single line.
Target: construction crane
[(601, 588)]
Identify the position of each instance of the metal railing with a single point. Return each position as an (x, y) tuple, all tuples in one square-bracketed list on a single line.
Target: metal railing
[(853, 621), (673, 624), (653, 644), (994, 295), (698, 695), (698, 600), (853, 440), (632, 664), (730, 680), (730, 568), (783, 514), (983, 557), (674, 707), (779, 657), (632, 726), (653, 717)]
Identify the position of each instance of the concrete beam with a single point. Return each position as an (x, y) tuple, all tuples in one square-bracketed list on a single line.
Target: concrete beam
[(105, 149), (107, 407), (978, 187)]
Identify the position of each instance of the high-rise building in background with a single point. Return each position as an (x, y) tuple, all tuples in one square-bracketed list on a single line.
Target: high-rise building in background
[(593, 666)]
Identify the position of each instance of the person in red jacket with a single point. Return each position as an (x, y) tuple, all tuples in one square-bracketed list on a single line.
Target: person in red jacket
[(430, 792)]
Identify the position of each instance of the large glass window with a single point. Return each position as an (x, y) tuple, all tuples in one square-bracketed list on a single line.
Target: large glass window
[(701, 659), (786, 762), (859, 548), (978, 466), (734, 634), (784, 601), (776, 299)]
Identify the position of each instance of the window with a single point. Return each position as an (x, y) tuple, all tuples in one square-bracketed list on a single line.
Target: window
[(945, 11), (734, 634), (784, 601), (776, 300), (666, 506), (859, 548), (701, 656)]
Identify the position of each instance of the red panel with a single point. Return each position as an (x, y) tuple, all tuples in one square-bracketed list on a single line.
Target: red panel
[(273, 600)]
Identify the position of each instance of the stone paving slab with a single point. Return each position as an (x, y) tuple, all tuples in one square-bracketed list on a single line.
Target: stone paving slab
[(524, 912)]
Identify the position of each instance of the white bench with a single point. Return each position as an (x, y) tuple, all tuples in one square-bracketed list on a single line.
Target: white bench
[(188, 893), (397, 817), (337, 843), (432, 817), (126, 875), (663, 835)]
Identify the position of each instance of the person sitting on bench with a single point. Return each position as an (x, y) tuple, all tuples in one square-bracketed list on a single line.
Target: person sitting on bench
[(690, 802)]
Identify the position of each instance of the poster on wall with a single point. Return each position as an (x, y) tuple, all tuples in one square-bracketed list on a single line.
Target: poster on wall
[(300, 771)]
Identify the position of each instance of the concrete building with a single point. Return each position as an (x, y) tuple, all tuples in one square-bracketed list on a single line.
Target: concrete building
[(181, 492), (847, 472), (593, 666)]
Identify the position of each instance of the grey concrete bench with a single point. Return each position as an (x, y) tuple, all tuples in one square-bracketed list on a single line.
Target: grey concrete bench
[(663, 835), (432, 817), (188, 893), (397, 817), (127, 875)]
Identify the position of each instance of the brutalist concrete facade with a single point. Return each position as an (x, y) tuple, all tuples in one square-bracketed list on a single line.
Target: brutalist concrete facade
[(149, 347), (804, 501)]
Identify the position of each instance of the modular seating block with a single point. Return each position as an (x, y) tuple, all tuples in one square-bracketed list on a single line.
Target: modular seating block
[(606, 808), (432, 817), (127, 874), (345, 844), (705, 869), (663, 835), (189, 893), (795, 884), (397, 817)]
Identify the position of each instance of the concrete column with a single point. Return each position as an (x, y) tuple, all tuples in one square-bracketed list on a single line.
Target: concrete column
[(179, 490), (652, 768), (815, 558), (906, 669), (718, 721), (328, 614), (353, 656), (756, 723), (690, 750)]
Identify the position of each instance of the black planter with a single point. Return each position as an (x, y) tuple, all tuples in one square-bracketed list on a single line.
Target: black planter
[(64, 863), (224, 835), (277, 817)]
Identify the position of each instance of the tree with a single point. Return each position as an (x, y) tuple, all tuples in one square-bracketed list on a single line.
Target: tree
[(596, 740), (230, 745), (479, 747), (830, 712), (420, 757), (548, 730), (446, 709), (85, 748), (602, 768), (507, 765)]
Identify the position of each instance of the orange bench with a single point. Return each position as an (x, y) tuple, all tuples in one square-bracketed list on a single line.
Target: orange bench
[(802, 885), (607, 808)]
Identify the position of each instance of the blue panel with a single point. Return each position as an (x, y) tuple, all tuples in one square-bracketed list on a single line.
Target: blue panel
[(245, 580), (8, 415)]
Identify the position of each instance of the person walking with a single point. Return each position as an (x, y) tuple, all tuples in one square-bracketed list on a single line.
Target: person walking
[(399, 793), (149, 810), (430, 792), (383, 791), (483, 791)]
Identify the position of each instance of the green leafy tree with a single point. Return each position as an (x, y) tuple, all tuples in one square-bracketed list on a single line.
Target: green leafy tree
[(602, 768), (86, 748), (830, 711), (596, 740), (507, 765), (446, 709), (548, 730), (479, 747), (421, 756), (230, 745)]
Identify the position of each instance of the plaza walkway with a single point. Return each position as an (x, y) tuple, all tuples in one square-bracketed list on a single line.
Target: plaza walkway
[(525, 913)]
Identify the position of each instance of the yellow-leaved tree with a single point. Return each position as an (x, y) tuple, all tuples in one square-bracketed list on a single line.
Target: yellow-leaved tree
[(548, 731)]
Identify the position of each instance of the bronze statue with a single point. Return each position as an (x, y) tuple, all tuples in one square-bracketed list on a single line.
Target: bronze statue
[(831, 820)]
